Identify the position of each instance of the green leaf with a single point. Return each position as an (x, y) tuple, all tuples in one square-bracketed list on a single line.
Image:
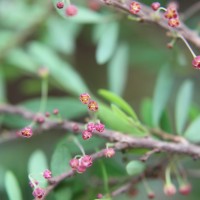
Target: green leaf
[(113, 121), (146, 112), (161, 94), (183, 102), (98, 31), (22, 60), (63, 193), (192, 132), (61, 71), (60, 159), (135, 167), (107, 43), (12, 187), (36, 165), (118, 69), (113, 98), (194, 112)]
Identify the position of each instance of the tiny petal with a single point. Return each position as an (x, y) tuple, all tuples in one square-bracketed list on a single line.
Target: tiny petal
[(47, 174), (196, 62), (134, 7), (93, 105), (91, 127), (26, 132), (74, 163), (86, 134), (38, 192), (169, 190), (60, 5), (71, 10), (86, 161), (100, 127), (84, 98), (155, 6), (109, 152)]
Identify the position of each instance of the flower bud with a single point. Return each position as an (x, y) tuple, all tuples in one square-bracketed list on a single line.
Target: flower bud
[(169, 190)]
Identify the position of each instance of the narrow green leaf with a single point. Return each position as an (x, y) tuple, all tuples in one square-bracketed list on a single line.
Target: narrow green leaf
[(60, 159), (192, 132), (183, 102), (113, 121), (61, 71), (98, 31), (118, 69), (146, 112), (161, 94), (135, 167), (12, 187), (113, 98), (63, 193), (107, 43)]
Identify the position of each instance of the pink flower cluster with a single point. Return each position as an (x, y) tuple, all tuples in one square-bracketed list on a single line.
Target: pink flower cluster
[(80, 165), (91, 127), (71, 10)]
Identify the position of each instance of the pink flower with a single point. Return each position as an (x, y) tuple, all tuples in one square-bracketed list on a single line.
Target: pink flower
[(86, 161), (196, 62), (86, 135), (169, 190), (55, 111), (71, 10), (74, 163), (155, 6), (134, 7), (99, 196), (60, 5), (80, 169), (100, 127), (185, 189), (38, 192), (109, 152), (47, 174), (26, 132), (91, 127), (84, 98)]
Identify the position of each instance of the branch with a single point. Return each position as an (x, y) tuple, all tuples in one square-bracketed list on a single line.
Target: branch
[(147, 16)]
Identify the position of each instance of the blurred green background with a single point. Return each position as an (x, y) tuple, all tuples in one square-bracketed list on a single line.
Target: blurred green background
[(33, 34)]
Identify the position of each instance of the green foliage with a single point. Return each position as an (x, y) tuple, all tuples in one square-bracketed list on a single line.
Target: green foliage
[(118, 69), (107, 43), (192, 132), (60, 159), (63, 193), (183, 102), (161, 94), (12, 186), (135, 167)]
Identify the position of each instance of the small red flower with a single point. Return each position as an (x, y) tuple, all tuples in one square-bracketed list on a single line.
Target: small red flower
[(91, 127), (80, 169), (40, 120), (47, 174), (71, 10), (109, 152), (55, 111), (196, 62), (169, 190), (26, 132), (60, 5), (86, 134), (85, 98), (86, 161), (134, 7), (100, 127), (174, 22), (74, 163), (38, 192), (185, 189), (155, 6), (171, 13), (93, 105)]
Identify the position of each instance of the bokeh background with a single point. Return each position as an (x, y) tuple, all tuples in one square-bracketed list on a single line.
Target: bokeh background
[(33, 34)]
